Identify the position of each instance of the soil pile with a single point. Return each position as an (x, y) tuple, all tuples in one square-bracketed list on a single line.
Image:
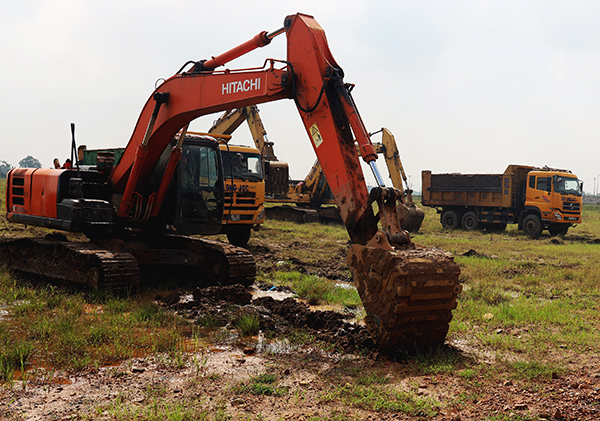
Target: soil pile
[(224, 305)]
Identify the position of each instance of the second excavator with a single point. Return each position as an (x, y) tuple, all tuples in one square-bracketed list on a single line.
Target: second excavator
[(141, 210), (310, 194)]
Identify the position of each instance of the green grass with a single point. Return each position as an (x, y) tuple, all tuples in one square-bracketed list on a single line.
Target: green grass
[(264, 384), (69, 331), (382, 399), (157, 410), (14, 353), (521, 295), (316, 290), (247, 324), (529, 308)]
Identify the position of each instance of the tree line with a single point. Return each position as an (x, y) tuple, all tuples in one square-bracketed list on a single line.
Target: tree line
[(27, 162)]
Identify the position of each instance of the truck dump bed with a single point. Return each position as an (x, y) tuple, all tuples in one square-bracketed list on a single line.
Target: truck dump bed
[(496, 190), (462, 189)]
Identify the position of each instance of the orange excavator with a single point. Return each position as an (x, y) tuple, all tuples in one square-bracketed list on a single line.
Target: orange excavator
[(141, 212)]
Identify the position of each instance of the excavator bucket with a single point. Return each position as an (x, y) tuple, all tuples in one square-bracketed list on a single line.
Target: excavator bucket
[(410, 216), (408, 294)]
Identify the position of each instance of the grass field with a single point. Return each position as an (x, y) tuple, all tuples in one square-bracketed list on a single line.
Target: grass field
[(528, 312)]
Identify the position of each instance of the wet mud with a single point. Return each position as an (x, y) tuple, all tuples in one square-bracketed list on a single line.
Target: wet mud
[(224, 305)]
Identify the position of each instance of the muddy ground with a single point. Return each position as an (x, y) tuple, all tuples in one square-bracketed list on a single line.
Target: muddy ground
[(307, 375)]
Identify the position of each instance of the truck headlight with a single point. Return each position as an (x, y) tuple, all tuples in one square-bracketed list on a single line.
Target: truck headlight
[(558, 216)]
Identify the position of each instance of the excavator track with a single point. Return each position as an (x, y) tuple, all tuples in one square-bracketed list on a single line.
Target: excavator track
[(292, 214), (81, 263), (115, 264), (199, 260), (240, 267), (408, 295)]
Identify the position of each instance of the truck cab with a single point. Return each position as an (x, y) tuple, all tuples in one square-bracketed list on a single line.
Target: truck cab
[(555, 197), (244, 192)]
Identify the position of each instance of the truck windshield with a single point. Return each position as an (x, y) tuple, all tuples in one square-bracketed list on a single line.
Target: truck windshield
[(242, 165), (567, 185)]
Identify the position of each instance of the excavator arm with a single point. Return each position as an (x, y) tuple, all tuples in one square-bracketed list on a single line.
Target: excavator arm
[(232, 119), (411, 216), (276, 171), (310, 76), (408, 292)]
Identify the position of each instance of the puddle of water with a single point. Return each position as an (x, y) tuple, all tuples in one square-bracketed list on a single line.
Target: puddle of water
[(215, 349), (276, 346), (184, 299), (280, 296), (344, 285), (276, 295), (3, 313)]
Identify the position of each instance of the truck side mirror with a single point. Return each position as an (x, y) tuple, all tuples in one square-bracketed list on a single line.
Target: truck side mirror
[(549, 184)]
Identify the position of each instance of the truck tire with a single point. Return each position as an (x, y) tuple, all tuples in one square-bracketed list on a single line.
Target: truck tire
[(532, 225), (450, 220), (470, 222), (239, 236), (558, 229)]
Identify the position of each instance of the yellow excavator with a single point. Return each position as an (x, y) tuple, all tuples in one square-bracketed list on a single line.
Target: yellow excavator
[(309, 195)]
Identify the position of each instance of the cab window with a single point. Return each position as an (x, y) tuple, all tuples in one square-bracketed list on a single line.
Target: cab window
[(542, 183)]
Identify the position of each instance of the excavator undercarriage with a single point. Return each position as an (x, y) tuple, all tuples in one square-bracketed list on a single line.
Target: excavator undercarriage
[(118, 265), (60, 260)]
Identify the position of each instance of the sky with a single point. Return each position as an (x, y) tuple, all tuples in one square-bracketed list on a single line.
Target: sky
[(466, 86)]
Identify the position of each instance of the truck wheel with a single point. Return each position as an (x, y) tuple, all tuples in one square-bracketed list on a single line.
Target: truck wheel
[(532, 226), (239, 236), (450, 220), (558, 229), (470, 222)]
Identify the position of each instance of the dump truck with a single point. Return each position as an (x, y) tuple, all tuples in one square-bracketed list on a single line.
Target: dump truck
[(534, 198), (244, 192)]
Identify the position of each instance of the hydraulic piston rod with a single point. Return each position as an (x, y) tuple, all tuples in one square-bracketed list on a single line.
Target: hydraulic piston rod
[(259, 40)]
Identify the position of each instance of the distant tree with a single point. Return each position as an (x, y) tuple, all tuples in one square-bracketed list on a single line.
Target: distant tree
[(5, 167), (30, 162)]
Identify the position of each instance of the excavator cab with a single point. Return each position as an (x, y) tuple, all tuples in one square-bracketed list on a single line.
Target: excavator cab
[(194, 203)]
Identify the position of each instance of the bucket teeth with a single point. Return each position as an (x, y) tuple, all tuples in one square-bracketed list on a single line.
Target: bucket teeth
[(408, 295)]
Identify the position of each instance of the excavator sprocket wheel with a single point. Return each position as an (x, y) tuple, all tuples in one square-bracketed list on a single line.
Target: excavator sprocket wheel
[(408, 295)]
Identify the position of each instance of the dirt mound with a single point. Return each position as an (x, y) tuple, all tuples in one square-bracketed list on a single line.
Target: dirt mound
[(224, 305), (235, 294), (327, 326)]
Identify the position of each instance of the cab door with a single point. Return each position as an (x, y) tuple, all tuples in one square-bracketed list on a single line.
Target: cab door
[(539, 194)]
